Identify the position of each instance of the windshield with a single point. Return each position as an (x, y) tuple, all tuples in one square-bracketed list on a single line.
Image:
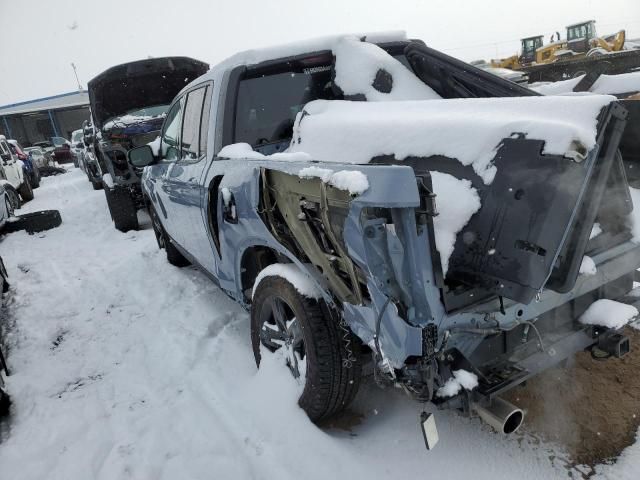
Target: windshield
[(58, 141)]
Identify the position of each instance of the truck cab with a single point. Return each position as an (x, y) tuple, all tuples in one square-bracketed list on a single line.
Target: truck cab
[(529, 47), (580, 36)]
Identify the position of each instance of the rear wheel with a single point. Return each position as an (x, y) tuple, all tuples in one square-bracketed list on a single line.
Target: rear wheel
[(174, 257), (311, 342), (25, 190), (122, 208)]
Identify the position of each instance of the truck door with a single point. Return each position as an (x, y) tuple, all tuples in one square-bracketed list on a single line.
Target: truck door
[(182, 183)]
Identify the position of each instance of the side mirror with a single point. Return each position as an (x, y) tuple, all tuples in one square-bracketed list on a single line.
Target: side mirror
[(140, 157)]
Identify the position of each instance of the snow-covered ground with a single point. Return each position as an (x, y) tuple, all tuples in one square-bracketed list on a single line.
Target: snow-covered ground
[(126, 367)]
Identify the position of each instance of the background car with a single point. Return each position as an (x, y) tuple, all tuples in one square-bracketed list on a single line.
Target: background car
[(11, 170), (30, 168), (62, 152), (9, 201), (39, 156), (78, 148), (46, 146)]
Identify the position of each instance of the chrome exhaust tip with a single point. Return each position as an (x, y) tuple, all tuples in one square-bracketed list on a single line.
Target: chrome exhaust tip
[(501, 415)]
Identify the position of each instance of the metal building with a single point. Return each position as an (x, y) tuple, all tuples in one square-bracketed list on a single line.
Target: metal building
[(37, 120)]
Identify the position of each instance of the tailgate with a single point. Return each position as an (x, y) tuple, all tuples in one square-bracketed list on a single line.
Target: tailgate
[(536, 216)]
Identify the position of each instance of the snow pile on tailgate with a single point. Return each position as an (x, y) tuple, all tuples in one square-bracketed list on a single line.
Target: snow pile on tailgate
[(469, 130)]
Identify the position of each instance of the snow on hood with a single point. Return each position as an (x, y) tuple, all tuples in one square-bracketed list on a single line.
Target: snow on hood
[(359, 64), (125, 120), (469, 130)]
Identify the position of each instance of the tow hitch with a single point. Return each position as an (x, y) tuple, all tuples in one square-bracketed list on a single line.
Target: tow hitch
[(614, 345)]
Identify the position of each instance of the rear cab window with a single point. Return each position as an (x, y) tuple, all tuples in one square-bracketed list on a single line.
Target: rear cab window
[(269, 98), (268, 101)]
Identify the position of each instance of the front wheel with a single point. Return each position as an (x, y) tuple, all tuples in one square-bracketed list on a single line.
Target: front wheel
[(122, 208), (174, 257), (316, 349)]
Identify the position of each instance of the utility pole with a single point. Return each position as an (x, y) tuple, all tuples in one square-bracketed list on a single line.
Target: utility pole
[(73, 65)]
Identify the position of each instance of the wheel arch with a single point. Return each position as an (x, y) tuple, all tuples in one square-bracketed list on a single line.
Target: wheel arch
[(256, 256)]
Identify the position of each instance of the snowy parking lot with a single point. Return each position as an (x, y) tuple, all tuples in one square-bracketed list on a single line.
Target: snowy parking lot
[(127, 367)]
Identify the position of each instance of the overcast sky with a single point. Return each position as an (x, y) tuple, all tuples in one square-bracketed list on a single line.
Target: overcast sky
[(39, 39)]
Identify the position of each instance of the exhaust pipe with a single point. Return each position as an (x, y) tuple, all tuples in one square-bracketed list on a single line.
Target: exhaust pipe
[(501, 415)]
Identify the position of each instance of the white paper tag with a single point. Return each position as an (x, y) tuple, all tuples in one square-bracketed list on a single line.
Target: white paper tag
[(429, 429)]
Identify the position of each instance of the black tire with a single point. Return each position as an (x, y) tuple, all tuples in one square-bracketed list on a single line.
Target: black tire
[(35, 222), (174, 257), (122, 209), (333, 373), (25, 190), (5, 403), (36, 177), (96, 184), (13, 199), (4, 278)]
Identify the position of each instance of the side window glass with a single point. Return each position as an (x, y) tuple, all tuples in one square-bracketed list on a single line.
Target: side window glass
[(204, 125), (171, 133), (191, 125)]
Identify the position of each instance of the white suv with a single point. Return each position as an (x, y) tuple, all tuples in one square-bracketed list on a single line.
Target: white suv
[(12, 173)]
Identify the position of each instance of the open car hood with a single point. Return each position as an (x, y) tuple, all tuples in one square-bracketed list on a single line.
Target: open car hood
[(144, 83)]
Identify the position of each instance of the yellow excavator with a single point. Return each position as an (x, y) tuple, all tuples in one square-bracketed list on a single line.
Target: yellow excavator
[(581, 41)]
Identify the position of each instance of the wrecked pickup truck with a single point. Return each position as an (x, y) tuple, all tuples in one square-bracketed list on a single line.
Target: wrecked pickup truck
[(373, 201), (128, 103)]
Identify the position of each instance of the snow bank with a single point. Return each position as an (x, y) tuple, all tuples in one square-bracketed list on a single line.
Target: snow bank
[(608, 313), (456, 201), (461, 379), (290, 272), (188, 401), (357, 65), (588, 266), (469, 130)]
